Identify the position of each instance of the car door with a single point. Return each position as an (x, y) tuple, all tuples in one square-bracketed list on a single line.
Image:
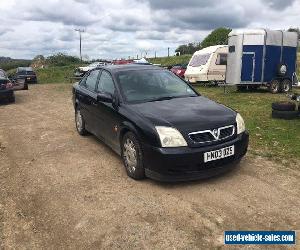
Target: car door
[(106, 112), (87, 98)]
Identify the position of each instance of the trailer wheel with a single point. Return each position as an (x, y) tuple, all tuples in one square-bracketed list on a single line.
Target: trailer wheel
[(286, 85), (284, 106), (274, 86), (241, 87), (287, 115)]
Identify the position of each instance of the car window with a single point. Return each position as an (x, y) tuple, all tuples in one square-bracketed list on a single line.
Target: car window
[(91, 80), (221, 59), (2, 74), (106, 83)]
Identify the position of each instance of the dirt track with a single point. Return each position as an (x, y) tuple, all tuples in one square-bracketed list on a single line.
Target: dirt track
[(59, 190)]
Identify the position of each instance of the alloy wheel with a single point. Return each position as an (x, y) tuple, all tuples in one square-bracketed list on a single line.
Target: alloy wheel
[(130, 155)]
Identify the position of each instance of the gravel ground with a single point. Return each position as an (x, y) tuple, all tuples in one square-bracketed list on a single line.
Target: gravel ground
[(59, 190)]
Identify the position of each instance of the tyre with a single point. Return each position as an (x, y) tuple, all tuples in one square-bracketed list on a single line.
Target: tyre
[(79, 122), (274, 86), (132, 156), (241, 87), (25, 86), (287, 115), (286, 85), (284, 106), (12, 98)]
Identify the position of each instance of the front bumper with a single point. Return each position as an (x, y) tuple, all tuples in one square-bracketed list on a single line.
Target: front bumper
[(184, 164)]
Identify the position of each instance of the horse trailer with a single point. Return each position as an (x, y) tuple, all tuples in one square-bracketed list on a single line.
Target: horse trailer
[(262, 57)]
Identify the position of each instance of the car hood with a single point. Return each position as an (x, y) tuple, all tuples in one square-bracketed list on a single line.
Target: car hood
[(187, 114)]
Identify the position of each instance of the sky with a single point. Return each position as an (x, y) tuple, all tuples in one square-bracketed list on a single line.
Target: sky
[(123, 28)]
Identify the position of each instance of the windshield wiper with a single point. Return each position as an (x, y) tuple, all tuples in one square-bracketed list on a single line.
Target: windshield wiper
[(162, 98)]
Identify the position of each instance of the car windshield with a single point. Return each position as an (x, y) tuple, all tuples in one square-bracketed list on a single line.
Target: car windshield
[(95, 64), (198, 60), (26, 73), (152, 85)]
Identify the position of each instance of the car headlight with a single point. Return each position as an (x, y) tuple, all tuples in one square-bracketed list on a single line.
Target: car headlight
[(170, 137), (240, 124)]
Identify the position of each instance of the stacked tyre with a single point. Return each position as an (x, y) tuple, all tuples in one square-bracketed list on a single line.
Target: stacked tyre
[(284, 110)]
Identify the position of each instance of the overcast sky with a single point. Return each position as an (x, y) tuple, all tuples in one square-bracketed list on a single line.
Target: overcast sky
[(122, 28)]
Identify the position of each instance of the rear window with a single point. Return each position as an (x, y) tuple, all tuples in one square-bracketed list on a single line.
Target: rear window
[(26, 73), (198, 60), (2, 74)]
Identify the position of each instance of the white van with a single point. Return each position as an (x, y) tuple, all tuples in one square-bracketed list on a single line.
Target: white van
[(208, 64)]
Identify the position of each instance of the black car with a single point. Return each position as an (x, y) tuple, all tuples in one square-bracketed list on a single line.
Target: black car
[(26, 74), (6, 88), (160, 125)]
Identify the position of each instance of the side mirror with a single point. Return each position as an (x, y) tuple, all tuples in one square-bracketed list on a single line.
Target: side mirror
[(104, 97)]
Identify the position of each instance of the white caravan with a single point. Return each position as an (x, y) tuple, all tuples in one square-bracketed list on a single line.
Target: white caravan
[(208, 65)]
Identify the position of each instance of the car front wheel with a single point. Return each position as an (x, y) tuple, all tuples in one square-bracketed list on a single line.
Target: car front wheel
[(132, 156), (79, 122)]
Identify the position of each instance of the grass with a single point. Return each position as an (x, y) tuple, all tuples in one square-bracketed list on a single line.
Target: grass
[(56, 74), (172, 60), (276, 139)]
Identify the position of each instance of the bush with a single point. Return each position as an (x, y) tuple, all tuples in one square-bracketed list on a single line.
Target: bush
[(61, 59)]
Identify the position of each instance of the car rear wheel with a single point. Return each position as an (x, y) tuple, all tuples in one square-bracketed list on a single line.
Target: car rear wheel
[(132, 156), (12, 98), (79, 122), (25, 86)]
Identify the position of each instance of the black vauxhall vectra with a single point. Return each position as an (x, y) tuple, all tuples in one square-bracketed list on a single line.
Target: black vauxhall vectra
[(159, 124)]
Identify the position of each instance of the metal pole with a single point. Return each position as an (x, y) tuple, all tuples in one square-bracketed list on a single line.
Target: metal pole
[(80, 47), (168, 52)]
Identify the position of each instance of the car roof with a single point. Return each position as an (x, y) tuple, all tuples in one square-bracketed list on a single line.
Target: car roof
[(127, 67)]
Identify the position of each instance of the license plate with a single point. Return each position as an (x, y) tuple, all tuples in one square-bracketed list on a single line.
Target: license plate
[(28, 78), (219, 154)]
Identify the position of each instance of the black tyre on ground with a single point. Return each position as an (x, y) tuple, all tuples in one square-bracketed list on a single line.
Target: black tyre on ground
[(274, 86), (287, 115), (80, 123), (12, 98), (25, 86), (286, 85), (132, 156), (241, 87), (284, 106)]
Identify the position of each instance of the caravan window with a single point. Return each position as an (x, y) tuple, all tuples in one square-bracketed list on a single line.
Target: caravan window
[(198, 60), (221, 59)]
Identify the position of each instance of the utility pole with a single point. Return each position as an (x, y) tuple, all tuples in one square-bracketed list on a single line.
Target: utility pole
[(155, 54), (80, 31), (168, 52)]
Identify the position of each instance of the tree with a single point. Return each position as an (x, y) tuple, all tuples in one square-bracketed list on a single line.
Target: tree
[(188, 48), (295, 30), (218, 36)]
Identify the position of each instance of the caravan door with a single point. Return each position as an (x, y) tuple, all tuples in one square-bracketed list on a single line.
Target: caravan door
[(248, 67), (217, 68)]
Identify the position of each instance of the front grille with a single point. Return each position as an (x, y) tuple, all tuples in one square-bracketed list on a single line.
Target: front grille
[(213, 135)]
